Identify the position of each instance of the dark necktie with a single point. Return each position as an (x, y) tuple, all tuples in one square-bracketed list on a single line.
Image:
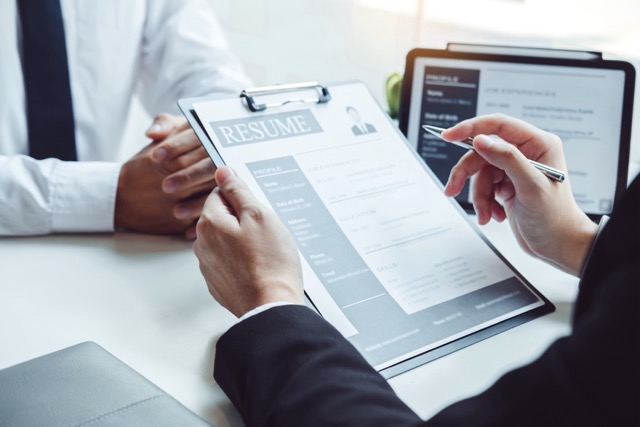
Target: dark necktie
[(46, 79)]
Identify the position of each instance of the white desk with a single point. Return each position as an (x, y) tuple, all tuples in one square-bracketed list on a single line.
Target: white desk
[(143, 299)]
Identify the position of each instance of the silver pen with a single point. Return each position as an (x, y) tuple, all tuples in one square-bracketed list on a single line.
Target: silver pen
[(551, 173)]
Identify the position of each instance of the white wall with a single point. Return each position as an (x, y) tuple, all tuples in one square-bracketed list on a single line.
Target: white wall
[(284, 41)]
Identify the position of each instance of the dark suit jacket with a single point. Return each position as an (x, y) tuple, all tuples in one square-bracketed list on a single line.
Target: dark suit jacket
[(289, 367)]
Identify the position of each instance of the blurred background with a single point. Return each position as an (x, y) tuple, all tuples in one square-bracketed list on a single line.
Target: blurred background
[(285, 41)]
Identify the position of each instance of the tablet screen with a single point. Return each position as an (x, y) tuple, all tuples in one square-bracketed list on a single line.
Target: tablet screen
[(580, 101)]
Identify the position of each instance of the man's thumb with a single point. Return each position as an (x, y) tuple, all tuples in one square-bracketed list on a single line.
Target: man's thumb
[(234, 190)]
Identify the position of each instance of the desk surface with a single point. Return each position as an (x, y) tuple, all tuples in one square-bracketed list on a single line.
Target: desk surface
[(142, 298)]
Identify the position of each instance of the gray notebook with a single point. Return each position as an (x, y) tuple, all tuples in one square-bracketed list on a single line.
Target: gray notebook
[(85, 385)]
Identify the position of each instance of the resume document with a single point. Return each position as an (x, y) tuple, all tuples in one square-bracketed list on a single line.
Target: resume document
[(387, 259)]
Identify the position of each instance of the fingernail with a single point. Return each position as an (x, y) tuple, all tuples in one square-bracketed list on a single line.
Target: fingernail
[(182, 212), (169, 186), (155, 127), (223, 174), (160, 154), (497, 214), (479, 214), (483, 142), (447, 188)]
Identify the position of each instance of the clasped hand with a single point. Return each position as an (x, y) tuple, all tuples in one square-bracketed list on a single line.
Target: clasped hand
[(162, 189)]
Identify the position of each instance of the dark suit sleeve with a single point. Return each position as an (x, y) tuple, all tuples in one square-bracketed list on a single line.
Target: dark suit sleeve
[(288, 367), (590, 378)]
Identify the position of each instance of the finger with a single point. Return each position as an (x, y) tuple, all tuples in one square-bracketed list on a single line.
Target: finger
[(236, 192), (510, 128), (467, 166), (482, 192), (525, 178), (186, 180), (190, 233), (190, 208), (163, 124), (497, 211), (504, 191), (187, 159), (485, 187), (175, 146), (216, 215), (535, 143), (202, 189)]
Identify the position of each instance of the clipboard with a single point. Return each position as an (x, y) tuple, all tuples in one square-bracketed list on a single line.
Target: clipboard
[(249, 95), (392, 263), (578, 95)]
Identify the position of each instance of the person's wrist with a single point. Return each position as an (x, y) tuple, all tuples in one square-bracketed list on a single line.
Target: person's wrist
[(121, 215), (268, 292), (577, 245), (262, 308), (273, 296)]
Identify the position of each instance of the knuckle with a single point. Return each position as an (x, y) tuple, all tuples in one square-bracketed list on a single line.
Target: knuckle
[(203, 190), (468, 163), (168, 145), (203, 168), (509, 152), (554, 140), (196, 246), (181, 163), (182, 124), (187, 175), (162, 117), (196, 206), (201, 155), (458, 169), (231, 192), (175, 140), (200, 228), (253, 212), (187, 139), (206, 226)]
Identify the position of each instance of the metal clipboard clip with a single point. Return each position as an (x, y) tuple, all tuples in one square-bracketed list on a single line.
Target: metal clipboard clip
[(248, 94)]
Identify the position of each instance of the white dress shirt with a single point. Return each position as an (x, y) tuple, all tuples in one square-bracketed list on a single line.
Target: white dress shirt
[(160, 50)]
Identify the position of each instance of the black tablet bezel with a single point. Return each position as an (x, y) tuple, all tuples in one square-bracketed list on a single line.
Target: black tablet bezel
[(627, 101)]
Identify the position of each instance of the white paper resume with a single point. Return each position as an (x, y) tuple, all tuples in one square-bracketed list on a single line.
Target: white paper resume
[(387, 258)]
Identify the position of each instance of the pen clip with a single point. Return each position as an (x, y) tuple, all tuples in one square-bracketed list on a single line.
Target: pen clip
[(323, 95)]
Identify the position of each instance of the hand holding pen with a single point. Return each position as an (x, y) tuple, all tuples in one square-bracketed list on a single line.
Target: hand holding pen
[(543, 214), (548, 171)]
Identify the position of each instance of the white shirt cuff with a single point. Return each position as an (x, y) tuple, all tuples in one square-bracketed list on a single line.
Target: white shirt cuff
[(603, 221), (84, 197), (263, 307), (601, 225)]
